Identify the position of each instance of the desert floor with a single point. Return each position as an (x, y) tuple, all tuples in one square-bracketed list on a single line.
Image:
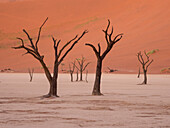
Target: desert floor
[(125, 104)]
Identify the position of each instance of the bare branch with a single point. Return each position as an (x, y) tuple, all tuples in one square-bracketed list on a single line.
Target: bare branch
[(30, 51), (30, 39), (147, 57), (54, 40), (99, 51), (78, 61), (110, 42), (149, 64), (66, 45), (94, 49), (76, 66), (40, 33), (110, 35), (140, 58), (86, 66), (108, 68), (106, 32), (21, 40), (58, 43), (70, 68), (120, 37), (55, 47), (75, 42)]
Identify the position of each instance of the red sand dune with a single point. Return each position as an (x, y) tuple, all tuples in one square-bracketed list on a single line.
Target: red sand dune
[(145, 24)]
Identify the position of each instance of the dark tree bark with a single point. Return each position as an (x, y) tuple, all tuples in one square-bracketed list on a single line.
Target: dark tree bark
[(71, 70), (77, 75), (110, 42), (145, 64), (81, 67), (59, 57), (31, 72)]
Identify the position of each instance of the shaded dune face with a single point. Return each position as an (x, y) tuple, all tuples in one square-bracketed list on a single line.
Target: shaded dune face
[(145, 25)]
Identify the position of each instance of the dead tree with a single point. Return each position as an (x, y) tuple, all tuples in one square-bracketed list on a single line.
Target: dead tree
[(81, 66), (31, 72), (145, 64), (110, 42), (59, 56), (71, 70), (111, 70), (62, 65), (86, 75), (138, 73)]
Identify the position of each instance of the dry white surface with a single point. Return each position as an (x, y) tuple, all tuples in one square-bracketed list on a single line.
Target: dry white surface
[(124, 104)]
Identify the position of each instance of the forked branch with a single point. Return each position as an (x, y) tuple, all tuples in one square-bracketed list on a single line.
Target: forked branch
[(75, 42)]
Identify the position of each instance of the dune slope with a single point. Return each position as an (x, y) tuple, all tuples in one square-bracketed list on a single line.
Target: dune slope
[(145, 24)]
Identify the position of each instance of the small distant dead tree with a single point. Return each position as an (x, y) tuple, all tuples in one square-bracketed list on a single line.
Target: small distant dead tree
[(111, 70), (110, 42), (86, 75), (31, 72), (145, 64), (81, 66), (71, 70), (62, 65), (59, 56), (138, 73)]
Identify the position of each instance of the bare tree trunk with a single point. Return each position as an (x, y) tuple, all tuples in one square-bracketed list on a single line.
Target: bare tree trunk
[(81, 75), (53, 83), (96, 88), (71, 77), (110, 42), (31, 72), (71, 70), (139, 73), (86, 75), (77, 75), (145, 77)]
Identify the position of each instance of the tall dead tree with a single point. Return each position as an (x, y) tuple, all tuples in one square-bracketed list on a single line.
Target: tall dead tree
[(82, 66), (145, 64), (110, 42), (71, 70), (59, 56)]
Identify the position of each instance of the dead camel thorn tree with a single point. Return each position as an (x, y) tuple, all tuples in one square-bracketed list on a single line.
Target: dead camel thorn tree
[(82, 66), (111, 70), (145, 64), (71, 70), (59, 56), (110, 42)]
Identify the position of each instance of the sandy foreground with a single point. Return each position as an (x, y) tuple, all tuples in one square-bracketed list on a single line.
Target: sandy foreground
[(124, 104)]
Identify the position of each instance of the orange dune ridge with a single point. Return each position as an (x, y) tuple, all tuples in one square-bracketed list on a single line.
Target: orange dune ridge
[(145, 24)]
